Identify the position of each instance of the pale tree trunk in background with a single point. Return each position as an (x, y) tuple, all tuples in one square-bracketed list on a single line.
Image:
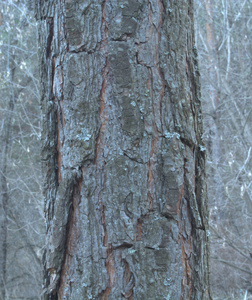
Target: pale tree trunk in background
[(3, 218), (3, 209), (124, 163), (213, 57), (214, 90), (4, 194)]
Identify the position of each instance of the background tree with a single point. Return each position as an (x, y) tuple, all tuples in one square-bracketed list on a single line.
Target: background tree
[(126, 208), (224, 43), (21, 207)]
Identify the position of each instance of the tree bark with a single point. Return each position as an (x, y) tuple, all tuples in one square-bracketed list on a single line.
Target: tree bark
[(124, 161)]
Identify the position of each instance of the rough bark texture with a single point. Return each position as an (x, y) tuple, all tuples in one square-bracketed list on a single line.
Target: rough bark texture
[(125, 194)]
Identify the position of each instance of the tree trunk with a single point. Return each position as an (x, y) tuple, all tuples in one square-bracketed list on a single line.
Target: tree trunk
[(5, 137), (214, 96), (124, 163)]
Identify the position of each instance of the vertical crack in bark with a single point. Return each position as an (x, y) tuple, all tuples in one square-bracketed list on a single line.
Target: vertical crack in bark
[(199, 178), (57, 155), (160, 72), (157, 106), (110, 265), (50, 36), (99, 160), (60, 135), (59, 176), (139, 229), (185, 234), (192, 82), (187, 279), (151, 166), (100, 141), (72, 238), (53, 59), (128, 282)]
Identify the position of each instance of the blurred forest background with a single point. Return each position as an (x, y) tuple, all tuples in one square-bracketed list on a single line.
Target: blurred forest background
[(224, 40)]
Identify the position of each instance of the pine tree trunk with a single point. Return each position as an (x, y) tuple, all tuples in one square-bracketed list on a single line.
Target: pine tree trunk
[(124, 163)]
